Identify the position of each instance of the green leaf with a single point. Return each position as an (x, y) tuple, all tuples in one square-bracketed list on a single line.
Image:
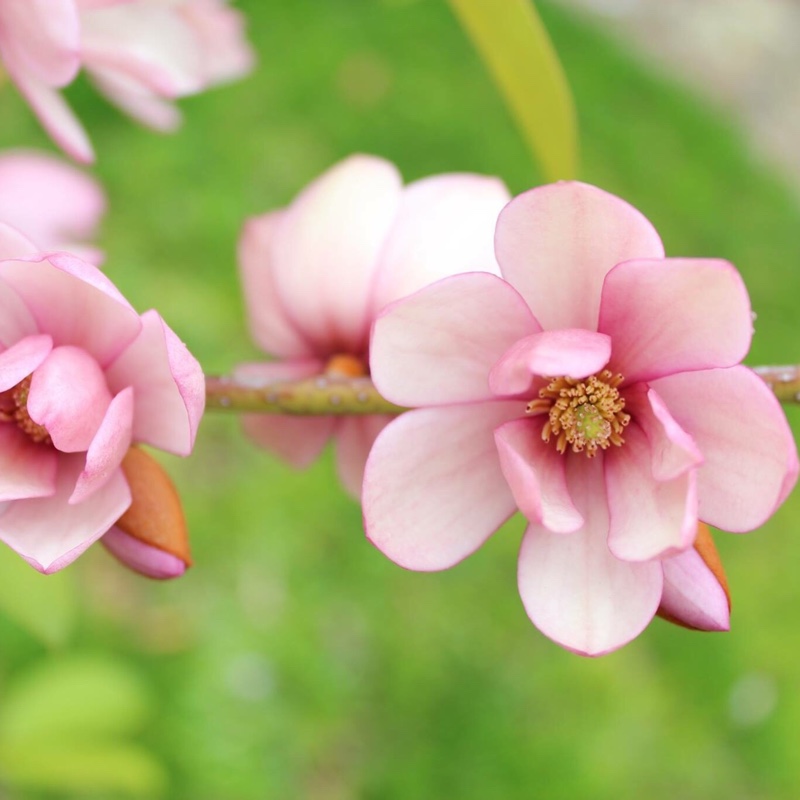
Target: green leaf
[(513, 43), (44, 605)]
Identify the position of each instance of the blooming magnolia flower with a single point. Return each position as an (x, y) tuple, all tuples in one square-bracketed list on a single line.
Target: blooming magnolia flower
[(316, 274), (51, 202), (141, 54), (82, 377), (597, 388)]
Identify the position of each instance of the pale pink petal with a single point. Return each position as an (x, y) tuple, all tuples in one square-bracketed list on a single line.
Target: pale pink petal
[(692, 593), (49, 533), (16, 321), (433, 488), (271, 327), (673, 315), (573, 589), (14, 244), (572, 352), (439, 345), (75, 303), (141, 557), (297, 440), (41, 38), (22, 358), (355, 436), (556, 243), (648, 518), (535, 473), (326, 250), (108, 448), (57, 118), (27, 469), (444, 226), (69, 397), (750, 457), (168, 383), (51, 201)]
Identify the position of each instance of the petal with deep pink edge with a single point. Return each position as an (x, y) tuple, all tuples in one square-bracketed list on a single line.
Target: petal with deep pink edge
[(42, 38), (141, 557), (675, 315), (57, 118), (49, 533), (672, 450), (75, 303), (648, 518), (354, 439), (556, 243), (444, 226), (426, 506), (750, 456), (692, 593), (573, 589), (14, 244), (22, 358), (572, 352), (168, 383), (69, 397), (438, 345), (108, 447), (330, 238), (535, 473), (26, 469), (271, 327)]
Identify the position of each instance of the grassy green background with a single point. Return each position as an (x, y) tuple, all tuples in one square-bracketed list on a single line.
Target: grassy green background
[(295, 660)]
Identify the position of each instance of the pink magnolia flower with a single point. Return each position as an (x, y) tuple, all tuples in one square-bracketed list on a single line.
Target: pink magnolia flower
[(317, 273), (142, 54), (51, 202), (597, 389), (82, 377)]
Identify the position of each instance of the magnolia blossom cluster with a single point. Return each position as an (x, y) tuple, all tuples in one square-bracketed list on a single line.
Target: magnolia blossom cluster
[(141, 54)]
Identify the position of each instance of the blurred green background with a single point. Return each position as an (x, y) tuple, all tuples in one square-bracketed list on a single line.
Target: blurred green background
[(294, 660)]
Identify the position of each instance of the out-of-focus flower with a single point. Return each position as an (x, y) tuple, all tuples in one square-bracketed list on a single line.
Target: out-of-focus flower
[(142, 54), (82, 377), (316, 274), (55, 205), (598, 390)]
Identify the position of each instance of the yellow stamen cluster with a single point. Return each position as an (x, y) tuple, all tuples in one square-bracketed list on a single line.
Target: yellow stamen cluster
[(585, 414), (16, 410)]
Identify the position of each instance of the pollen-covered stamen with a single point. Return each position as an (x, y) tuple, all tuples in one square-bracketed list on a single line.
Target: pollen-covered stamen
[(587, 414), (14, 408), (345, 365)]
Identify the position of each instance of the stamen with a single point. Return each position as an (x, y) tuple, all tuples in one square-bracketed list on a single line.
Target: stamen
[(345, 365), (14, 408)]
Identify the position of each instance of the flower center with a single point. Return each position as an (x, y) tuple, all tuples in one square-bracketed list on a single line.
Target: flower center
[(585, 414), (345, 365), (14, 408)]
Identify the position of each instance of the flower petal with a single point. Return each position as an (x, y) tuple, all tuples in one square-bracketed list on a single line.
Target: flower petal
[(556, 243), (573, 588), (168, 383), (108, 448), (14, 244), (326, 250), (428, 505), (535, 473), (750, 457), (49, 533), (26, 469), (69, 397), (648, 518), (439, 345), (572, 352), (142, 558), (354, 439), (675, 315), (22, 358), (444, 225), (270, 325)]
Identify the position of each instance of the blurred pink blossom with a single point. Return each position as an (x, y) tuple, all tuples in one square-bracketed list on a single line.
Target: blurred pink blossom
[(82, 377), (142, 54), (55, 205), (316, 274), (597, 388)]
